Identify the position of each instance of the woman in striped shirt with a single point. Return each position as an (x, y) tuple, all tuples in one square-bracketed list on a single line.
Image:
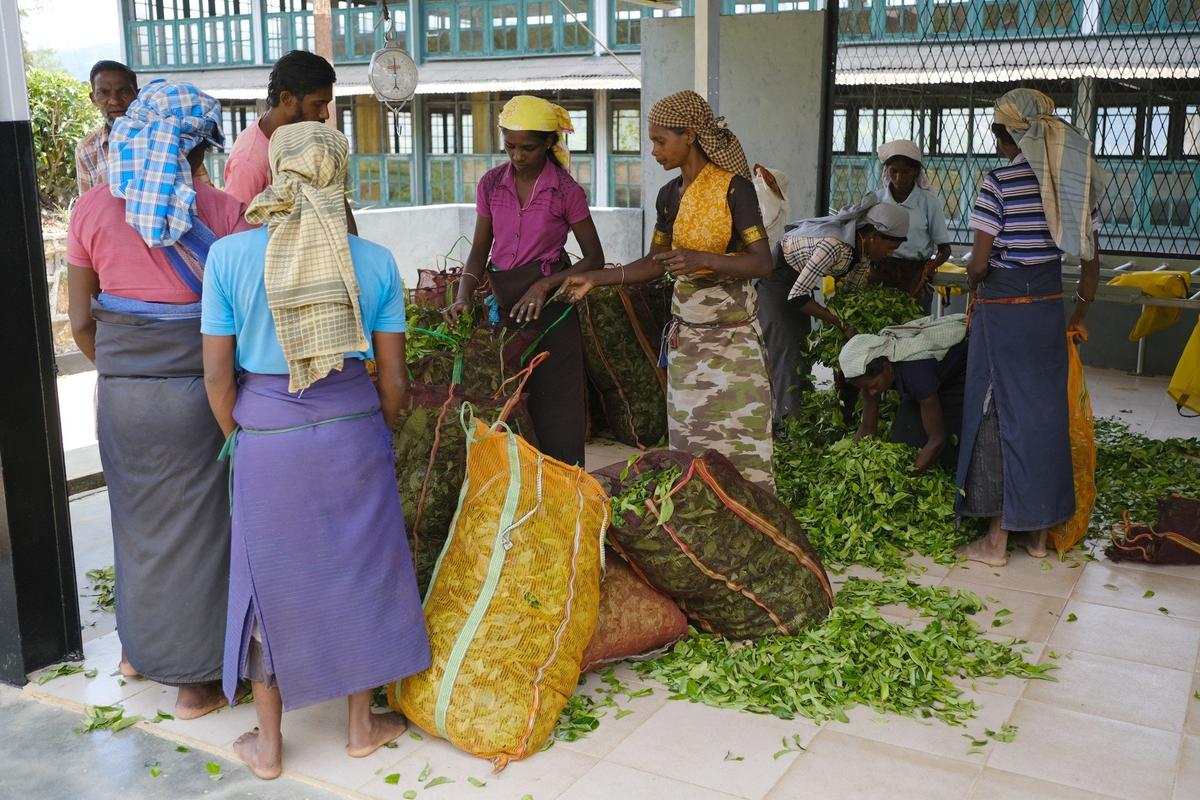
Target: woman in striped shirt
[(1014, 464)]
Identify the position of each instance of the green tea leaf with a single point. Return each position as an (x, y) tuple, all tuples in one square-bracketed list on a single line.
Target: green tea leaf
[(392, 779), (438, 781), (1112, 587), (412, 734), (624, 712), (409, 794), (182, 749), (478, 784), (1071, 617), (1148, 594), (1162, 610), (424, 773), (1046, 566), (531, 600), (60, 671), (729, 756)]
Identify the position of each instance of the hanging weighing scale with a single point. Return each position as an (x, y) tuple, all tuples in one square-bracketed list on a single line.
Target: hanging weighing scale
[(392, 72)]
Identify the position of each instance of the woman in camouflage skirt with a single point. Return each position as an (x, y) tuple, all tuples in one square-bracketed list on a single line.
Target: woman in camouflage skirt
[(709, 238)]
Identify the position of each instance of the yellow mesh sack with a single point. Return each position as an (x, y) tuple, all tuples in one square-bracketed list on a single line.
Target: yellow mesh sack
[(1083, 449), (513, 601)]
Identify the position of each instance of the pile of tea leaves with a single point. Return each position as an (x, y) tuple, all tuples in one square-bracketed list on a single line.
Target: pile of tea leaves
[(867, 310), (429, 333), (1133, 472), (855, 657)]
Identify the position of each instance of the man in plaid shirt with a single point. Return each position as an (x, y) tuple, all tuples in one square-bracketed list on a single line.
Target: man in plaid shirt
[(114, 86)]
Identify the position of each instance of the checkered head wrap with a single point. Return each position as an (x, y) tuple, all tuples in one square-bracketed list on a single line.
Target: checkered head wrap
[(311, 287), (690, 110), (147, 157)]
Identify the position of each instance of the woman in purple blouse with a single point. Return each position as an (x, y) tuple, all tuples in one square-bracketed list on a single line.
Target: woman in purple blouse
[(526, 209)]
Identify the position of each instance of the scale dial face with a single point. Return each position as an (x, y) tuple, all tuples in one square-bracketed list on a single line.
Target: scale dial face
[(393, 75)]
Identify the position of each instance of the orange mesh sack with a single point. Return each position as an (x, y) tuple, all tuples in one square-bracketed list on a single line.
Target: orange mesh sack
[(635, 620), (513, 601), (1083, 449)]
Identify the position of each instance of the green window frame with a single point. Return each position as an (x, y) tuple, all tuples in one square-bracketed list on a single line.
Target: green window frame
[(1136, 16), (625, 21), (186, 34), (491, 28)]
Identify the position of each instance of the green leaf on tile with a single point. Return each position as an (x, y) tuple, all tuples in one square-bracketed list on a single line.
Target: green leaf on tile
[(478, 784), (438, 781), (412, 734), (424, 773), (1046, 566), (182, 749), (60, 671), (1148, 594), (392, 779), (1163, 611), (1071, 617), (214, 771), (729, 756), (624, 712), (1112, 587), (161, 716), (409, 794)]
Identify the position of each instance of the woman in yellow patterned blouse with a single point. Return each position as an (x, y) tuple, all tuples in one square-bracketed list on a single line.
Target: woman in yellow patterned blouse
[(709, 238)]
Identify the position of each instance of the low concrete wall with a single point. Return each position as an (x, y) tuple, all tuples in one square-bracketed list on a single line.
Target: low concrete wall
[(429, 237)]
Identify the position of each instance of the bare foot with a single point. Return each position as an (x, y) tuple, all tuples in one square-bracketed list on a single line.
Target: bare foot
[(199, 699), (384, 728), (263, 759), (127, 670), (985, 551), (1035, 543)]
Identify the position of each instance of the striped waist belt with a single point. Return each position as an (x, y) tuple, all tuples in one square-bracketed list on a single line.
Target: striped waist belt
[(1017, 301)]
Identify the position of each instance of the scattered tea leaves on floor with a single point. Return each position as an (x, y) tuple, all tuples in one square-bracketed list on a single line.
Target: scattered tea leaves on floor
[(111, 718), (855, 657), (793, 747), (102, 583), (59, 671), (583, 711), (1133, 472)]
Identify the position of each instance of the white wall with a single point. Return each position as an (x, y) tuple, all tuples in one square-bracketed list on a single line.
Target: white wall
[(427, 237), (770, 95)]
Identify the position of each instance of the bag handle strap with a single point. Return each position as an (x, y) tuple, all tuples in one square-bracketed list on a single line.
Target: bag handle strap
[(521, 377)]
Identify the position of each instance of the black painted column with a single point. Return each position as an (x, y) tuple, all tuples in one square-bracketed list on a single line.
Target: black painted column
[(39, 609)]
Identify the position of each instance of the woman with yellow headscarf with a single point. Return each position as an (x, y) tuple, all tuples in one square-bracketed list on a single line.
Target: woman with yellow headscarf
[(709, 238), (526, 209)]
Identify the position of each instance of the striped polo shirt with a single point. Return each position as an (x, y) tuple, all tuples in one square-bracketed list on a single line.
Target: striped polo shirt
[(1009, 207)]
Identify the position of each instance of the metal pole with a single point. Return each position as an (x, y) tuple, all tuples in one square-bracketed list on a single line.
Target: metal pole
[(39, 606), (825, 157)]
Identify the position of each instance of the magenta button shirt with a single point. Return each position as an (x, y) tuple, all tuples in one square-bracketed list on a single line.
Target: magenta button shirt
[(539, 231)]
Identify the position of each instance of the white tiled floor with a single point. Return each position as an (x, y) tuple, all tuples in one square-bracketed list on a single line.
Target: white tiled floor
[(1121, 721)]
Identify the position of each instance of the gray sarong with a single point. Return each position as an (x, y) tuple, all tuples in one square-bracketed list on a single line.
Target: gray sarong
[(168, 494)]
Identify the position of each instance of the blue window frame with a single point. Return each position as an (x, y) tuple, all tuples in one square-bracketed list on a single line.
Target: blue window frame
[(183, 34)]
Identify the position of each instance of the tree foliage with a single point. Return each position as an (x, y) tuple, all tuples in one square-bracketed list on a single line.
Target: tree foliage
[(61, 114)]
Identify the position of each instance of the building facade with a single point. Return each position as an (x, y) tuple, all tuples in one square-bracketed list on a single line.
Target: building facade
[(1126, 70)]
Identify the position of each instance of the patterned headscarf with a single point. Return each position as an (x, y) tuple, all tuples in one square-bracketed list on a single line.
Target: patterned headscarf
[(905, 149), (689, 110), (887, 219), (528, 113), (147, 157), (1060, 154), (311, 287)]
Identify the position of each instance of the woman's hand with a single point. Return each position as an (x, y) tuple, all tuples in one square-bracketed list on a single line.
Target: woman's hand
[(684, 262), (575, 288), (529, 307), (452, 312)]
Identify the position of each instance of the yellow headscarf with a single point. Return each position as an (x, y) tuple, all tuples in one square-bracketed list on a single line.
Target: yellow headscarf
[(528, 113)]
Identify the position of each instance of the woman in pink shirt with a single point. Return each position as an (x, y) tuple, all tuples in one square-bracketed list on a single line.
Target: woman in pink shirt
[(526, 209), (136, 249)]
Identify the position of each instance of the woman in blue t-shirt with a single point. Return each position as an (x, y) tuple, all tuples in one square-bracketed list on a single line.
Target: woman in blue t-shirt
[(323, 602)]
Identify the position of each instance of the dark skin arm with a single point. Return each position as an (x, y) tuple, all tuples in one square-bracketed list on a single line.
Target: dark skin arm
[(529, 307), (644, 270), (481, 246), (392, 383), (219, 382), (934, 423), (815, 309), (221, 385), (870, 418), (83, 284), (977, 265), (1089, 281), (754, 263)]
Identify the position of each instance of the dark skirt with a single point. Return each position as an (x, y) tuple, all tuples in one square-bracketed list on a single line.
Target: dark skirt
[(1019, 351), (784, 330), (320, 558), (167, 493), (910, 429), (557, 388)]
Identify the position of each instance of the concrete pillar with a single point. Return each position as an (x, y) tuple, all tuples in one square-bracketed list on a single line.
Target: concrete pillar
[(601, 11), (257, 32), (416, 26), (419, 150), (39, 606), (123, 32), (708, 52), (600, 190)]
